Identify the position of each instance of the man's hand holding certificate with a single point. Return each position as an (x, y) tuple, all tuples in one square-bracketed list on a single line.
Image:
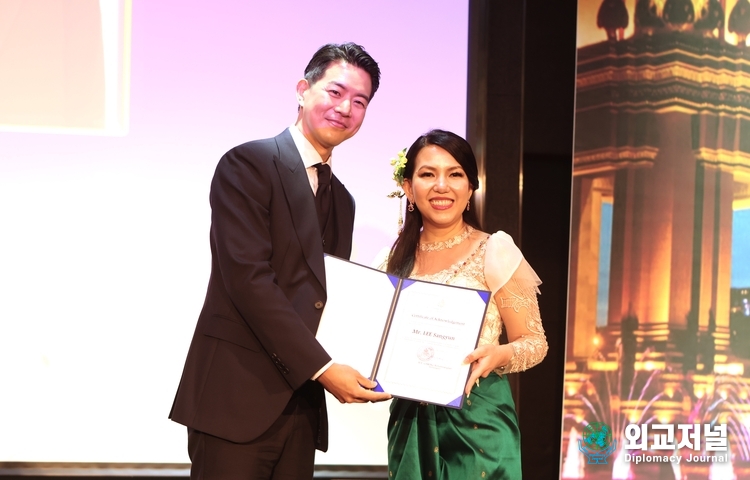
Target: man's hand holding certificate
[(409, 336)]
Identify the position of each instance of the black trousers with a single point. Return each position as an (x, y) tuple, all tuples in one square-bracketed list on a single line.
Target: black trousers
[(286, 451)]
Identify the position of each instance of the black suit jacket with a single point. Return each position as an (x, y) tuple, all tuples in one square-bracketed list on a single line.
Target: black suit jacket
[(254, 343)]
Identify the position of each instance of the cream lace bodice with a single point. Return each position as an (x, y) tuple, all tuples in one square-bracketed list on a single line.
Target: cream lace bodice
[(517, 284)]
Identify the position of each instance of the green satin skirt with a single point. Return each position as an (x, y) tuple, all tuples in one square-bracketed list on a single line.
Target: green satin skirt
[(480, 441)]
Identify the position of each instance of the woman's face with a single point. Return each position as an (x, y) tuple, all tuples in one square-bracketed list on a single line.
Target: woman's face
[(439, 187)]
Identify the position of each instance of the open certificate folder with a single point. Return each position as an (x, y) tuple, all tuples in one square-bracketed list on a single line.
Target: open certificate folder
[(410, 336)]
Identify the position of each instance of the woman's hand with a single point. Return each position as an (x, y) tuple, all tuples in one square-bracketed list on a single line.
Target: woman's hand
[(484, 360)]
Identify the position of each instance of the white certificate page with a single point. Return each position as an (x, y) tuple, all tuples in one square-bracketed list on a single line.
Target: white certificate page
[(434, 327), (353, 322)]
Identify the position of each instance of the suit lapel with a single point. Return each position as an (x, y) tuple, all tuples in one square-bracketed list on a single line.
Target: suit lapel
[(344, 217), (302, 207)]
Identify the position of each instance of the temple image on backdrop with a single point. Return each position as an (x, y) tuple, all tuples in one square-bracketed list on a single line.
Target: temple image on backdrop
[(658, 346)]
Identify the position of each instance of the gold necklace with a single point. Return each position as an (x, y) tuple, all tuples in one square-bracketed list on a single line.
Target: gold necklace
[(450, 243)]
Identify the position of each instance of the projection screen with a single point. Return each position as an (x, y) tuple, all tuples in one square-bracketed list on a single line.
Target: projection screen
[(113, 115)]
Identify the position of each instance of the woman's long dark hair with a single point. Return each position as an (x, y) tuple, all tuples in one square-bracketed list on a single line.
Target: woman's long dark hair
[(401, 261)]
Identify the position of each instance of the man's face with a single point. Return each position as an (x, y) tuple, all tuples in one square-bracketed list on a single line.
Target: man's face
[(334, 107)]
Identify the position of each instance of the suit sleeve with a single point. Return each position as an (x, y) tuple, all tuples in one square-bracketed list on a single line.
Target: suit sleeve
[(241, 195)]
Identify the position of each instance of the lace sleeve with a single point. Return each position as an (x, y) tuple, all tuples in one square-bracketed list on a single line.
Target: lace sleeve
[(515, 286), (517, 302), (504, 260)]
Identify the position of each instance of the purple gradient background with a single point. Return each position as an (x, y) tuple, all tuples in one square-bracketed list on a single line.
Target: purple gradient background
[(104, 255)]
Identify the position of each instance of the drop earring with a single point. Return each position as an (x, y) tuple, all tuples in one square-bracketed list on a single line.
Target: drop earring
[(410, 207)]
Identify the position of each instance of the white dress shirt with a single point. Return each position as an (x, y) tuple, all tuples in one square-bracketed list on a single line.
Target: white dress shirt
[(310, 158)]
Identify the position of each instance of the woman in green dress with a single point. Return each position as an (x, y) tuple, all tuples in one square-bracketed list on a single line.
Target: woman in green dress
[(441, 241)]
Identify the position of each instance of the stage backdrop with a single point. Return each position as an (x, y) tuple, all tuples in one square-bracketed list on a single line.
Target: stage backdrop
[(113, 115), (658, 346)]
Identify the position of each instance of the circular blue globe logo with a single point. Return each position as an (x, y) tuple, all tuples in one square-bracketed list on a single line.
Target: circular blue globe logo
[(597, 436)]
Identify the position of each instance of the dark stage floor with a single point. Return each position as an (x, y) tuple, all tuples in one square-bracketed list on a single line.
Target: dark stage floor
[(80, 471)]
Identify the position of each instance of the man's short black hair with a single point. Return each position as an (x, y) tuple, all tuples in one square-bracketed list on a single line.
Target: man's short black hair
[(350, 53)]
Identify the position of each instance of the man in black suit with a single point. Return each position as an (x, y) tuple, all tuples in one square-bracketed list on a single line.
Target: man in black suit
[(251, 393)]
